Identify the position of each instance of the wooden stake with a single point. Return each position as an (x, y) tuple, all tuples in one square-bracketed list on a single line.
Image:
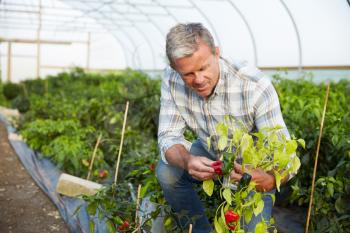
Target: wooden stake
[(138, 208), (121, 143), (316, 161), (93, 156), (9, 62), (190, 230)]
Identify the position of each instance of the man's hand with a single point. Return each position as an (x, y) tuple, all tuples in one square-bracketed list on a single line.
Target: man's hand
[(264, 181), (199, 168)]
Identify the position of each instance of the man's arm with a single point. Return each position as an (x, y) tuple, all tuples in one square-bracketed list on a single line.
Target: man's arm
[(173, 147)]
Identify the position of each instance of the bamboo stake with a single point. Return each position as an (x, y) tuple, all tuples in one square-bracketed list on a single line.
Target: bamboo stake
[(190, 230), (138, 208), (316, 160), (121, 143), (93, 156)]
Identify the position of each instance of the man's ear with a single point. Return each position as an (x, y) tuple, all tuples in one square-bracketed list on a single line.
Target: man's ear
[(217, 52)]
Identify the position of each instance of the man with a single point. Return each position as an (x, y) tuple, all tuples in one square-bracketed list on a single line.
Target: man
[(198, 89)]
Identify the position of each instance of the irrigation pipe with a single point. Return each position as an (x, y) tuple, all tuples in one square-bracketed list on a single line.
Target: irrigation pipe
[(316, 160)]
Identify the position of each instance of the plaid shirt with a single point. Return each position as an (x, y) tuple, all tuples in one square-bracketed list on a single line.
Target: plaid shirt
[(242, 92)]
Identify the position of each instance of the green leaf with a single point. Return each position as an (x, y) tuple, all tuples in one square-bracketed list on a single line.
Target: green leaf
[(330, 188), (259, 207), (248, 213), (278, 180), (291, 146), (237, 136), (261, 227), (222, 142), (208, 187), (301, 142), (218, 227), (295, 164), (91, 226), (110, 226), (273, 197), (339, 205), (91, 208), (209, 142), (144, 189), (282, 159), (227, 195), (168, 221), (222, 129)]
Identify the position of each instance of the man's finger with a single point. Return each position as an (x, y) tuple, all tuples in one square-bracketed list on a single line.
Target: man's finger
[(235, 176), (238, 168), (207, 161), (201, 175)]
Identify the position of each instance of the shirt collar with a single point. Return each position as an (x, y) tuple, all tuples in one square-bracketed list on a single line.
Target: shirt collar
[(220, 86)]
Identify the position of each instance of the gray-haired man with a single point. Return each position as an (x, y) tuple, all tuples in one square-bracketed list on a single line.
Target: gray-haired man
[(198, 89)]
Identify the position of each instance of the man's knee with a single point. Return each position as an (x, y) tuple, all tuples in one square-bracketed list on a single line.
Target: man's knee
[(167, 175)]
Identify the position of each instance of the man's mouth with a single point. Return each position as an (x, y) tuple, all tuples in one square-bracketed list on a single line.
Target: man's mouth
[(201, 88)]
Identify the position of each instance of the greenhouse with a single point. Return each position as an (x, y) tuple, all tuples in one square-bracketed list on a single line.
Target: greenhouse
[(159, 116)]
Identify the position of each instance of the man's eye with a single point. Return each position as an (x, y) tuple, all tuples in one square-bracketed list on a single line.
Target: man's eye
[(188, 75), (203, 68)]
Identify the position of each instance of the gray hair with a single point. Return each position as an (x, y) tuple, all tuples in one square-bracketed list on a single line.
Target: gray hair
[(182, 40)]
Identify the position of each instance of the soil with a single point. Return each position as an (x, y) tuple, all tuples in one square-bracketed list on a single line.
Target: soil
[(24, 208)]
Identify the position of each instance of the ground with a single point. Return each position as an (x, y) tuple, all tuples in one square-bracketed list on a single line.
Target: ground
[(24, 207)]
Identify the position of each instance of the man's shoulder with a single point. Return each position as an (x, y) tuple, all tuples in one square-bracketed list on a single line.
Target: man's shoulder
[(169, 72), (244, 71)]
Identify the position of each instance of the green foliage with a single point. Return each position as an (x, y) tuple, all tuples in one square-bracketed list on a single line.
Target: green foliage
[(21, 103), (302, 105), (68, 111), (268, 150), (3, 101), (11, 90)]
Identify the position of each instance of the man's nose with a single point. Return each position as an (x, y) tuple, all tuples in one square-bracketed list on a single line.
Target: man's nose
[(199, 78)]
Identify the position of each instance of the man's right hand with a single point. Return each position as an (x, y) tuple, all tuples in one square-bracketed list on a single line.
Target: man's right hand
[(200, 168)]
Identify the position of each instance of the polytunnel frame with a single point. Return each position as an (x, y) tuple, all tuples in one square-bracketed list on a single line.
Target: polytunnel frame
[(241, 15), (195, 6), (165, 7), (133, 24)]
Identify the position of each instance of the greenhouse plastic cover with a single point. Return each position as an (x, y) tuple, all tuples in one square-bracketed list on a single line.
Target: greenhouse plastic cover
[(269, 33)]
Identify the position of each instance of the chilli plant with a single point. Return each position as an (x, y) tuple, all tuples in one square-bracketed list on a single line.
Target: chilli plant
[(267, 149)]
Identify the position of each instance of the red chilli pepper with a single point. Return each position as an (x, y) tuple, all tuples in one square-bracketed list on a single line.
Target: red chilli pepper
[(217, 165), (231, 216), (152, 167), (232, 227), (124, 226)]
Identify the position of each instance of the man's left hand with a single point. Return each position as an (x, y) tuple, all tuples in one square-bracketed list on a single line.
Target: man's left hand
[(264, 181)]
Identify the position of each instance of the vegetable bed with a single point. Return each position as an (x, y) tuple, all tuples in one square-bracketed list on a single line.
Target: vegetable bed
[(63, 116)]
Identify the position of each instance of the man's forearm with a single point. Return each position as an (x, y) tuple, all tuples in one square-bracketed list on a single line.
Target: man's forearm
[(178, 155)]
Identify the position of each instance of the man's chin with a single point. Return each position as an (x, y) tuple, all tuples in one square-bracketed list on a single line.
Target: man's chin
[(203, 94)]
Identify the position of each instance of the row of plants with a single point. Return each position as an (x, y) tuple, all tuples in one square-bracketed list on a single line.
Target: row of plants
[(302, 104), (66, 113)]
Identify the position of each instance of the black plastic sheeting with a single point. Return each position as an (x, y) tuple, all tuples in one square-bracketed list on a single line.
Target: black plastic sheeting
[(46, 175)]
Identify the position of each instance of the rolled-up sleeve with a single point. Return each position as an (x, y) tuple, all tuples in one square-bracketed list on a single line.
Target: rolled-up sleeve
[(171, 124), (268, 111)]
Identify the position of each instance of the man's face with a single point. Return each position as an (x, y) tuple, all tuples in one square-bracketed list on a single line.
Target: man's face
[(200, 71)]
